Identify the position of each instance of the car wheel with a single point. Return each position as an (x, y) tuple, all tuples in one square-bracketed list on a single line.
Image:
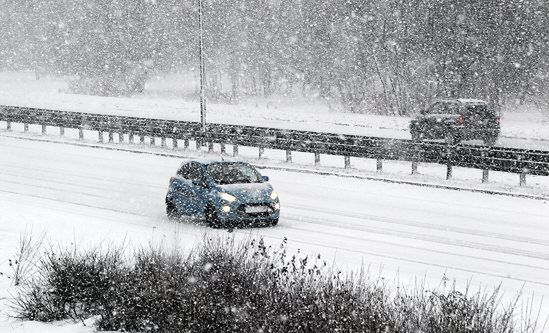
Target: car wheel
[(171, 210), (274, 222), (211, 217)]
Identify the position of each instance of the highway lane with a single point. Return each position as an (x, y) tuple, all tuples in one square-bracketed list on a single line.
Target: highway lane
[(78, 193)]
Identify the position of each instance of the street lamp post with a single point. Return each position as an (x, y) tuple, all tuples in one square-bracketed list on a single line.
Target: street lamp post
[(201, 68)]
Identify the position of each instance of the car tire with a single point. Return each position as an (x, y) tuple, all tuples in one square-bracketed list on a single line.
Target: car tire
[(171, 210), (274, 223), (211, 217)]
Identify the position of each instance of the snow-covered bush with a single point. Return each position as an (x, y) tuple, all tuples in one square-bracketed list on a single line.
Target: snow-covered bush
[(72, 284), (248, 287)]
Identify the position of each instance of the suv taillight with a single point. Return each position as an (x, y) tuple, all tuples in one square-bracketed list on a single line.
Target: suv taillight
[(460, 120)]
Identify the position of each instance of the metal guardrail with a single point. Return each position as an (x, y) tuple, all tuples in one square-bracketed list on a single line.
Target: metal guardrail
[(520, 161)]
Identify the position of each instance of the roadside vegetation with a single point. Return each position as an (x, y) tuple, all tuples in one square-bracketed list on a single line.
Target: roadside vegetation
[(221, 286)]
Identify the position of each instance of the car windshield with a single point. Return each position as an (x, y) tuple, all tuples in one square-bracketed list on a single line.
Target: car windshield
[(233, 173)]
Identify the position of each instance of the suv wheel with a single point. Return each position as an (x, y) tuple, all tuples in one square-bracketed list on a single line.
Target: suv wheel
[(211, 217), (171, 210)]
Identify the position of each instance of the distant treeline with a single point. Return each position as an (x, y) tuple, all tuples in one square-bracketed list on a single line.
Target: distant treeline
[(387, 56)]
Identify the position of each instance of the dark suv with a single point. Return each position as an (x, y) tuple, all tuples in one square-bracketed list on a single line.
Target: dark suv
[(455, 120)]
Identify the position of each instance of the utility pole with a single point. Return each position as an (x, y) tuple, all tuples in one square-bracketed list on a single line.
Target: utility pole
[(201, 68)]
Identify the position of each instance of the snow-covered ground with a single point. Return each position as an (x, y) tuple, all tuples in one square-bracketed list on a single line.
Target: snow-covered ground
[(83, 196), (164, 98)]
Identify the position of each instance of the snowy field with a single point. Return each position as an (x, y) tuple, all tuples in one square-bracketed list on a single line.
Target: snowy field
[(522, 127), (84, 196)]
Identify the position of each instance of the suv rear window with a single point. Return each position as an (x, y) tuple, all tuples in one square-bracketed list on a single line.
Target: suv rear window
[(480, 111), (444, 108), (476, 109)]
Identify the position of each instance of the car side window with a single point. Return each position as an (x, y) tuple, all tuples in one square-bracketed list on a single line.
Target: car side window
[(184, 171), (195, 171), (437, 108)]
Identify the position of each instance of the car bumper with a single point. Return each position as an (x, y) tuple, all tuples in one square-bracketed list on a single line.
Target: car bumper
[(439, 132), (237, 217)]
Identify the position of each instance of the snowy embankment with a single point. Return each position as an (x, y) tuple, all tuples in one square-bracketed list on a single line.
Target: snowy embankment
[(163, 99), (77, 195)]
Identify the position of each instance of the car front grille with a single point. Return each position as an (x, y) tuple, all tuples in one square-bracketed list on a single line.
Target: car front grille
[(256, 210)]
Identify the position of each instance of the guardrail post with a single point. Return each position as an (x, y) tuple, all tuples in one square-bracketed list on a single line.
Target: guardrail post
[(448, 163), (414, 167), (81, 133), (235, 150), (379, 165), (448, 171), (485, 174), (121, 137), (288, 156), (174, 143), (152, 141), (111, 137), (25, 127), (43, 129), (142, 139), (8, 125), (223, 148), (130, 137), (261, 152), (163, 142), (317, 158), (522, 179), (210, 147), (347, 161), (100, 136), (61, 130), (186, 144)]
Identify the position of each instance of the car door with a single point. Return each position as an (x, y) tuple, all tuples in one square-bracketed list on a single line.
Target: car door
[(198, 189), (182, 190)]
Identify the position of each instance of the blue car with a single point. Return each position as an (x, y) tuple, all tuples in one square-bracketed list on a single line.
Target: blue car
[(224, 193)]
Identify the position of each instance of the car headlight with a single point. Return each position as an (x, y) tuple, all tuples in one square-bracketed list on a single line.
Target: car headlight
[(227, 197), (274, 195)]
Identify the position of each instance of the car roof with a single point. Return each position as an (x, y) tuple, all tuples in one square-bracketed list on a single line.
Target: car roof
[(471, 101), (467, 101), (208, 161)]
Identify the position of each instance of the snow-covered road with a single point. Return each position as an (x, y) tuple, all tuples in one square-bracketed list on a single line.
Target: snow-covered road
[(527, 130), (86, 196)]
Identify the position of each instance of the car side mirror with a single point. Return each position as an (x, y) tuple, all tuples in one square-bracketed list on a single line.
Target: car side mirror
[(265, 178)]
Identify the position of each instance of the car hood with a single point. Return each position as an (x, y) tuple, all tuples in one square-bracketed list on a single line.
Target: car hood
[(256, 192)]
